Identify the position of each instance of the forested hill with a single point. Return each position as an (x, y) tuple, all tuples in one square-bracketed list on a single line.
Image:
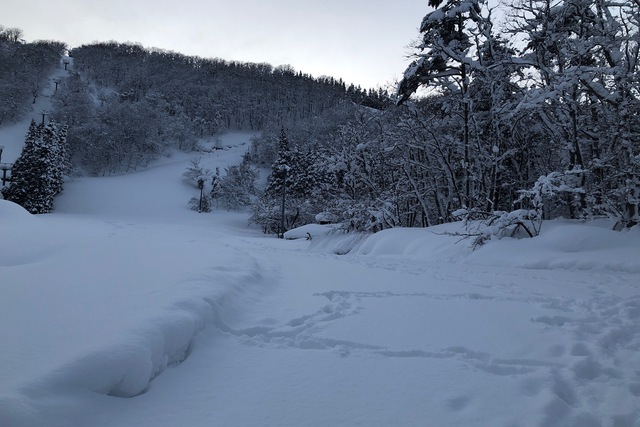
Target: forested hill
[(25, 69), (216, 93), (534, 120), (125, 104), (143, 100)]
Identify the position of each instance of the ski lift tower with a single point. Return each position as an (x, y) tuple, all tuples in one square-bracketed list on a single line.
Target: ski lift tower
[(5, 168)]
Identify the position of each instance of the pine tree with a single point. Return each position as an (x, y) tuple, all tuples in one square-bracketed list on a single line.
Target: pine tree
[(60, 165), (37, 175), (280, 168), (23, 173), (292, 181)]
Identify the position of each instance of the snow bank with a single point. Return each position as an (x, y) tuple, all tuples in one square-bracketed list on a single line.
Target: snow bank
[(433, 243), (13, 215), (567, 246), (108, 306), (310, 231), (562, 245), (21, 232)]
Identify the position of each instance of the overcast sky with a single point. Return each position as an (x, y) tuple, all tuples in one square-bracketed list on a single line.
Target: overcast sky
[(361, 41)]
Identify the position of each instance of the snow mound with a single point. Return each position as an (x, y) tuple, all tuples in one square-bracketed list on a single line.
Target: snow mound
[(13, 215), (338, 243), (310, 231), (21, 233), (566, 246), (561, 245), (125, 367), (433, 243)]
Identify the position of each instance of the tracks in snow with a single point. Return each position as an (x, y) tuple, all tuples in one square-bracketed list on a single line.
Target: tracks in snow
[(586, 374)]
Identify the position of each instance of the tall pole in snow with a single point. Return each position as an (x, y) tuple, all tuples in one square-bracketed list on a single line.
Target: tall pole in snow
[(284, 193), (201, 187)]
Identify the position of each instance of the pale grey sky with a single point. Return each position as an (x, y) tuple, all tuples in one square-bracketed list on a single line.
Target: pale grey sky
[(361, 41)]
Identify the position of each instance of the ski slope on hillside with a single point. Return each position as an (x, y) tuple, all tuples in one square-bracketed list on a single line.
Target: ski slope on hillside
[(125, 308), (12, 134)]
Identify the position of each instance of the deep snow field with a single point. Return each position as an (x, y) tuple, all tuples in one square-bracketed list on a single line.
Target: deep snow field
[(125, 308)]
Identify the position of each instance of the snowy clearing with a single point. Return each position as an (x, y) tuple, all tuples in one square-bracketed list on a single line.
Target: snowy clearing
[(126, 308)]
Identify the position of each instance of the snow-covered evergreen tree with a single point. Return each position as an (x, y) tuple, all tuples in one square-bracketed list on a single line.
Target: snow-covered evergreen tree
[(280, 175), (24, 173), (37, 175), (292, 179), (196, 173), (238, 186)]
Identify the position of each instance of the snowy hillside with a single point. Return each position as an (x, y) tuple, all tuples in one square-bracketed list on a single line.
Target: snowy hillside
[(124, 307)]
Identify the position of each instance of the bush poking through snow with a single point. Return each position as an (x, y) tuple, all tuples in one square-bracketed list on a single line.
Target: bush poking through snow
[(195, 172), (483, 226), (560, 187), (234, 190), (195, 204)]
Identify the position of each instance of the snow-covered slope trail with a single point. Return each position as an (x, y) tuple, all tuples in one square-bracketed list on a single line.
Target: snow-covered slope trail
[(123, 284), (12, 134)]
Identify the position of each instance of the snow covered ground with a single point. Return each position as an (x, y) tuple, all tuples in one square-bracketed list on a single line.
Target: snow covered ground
[(125, 308)]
